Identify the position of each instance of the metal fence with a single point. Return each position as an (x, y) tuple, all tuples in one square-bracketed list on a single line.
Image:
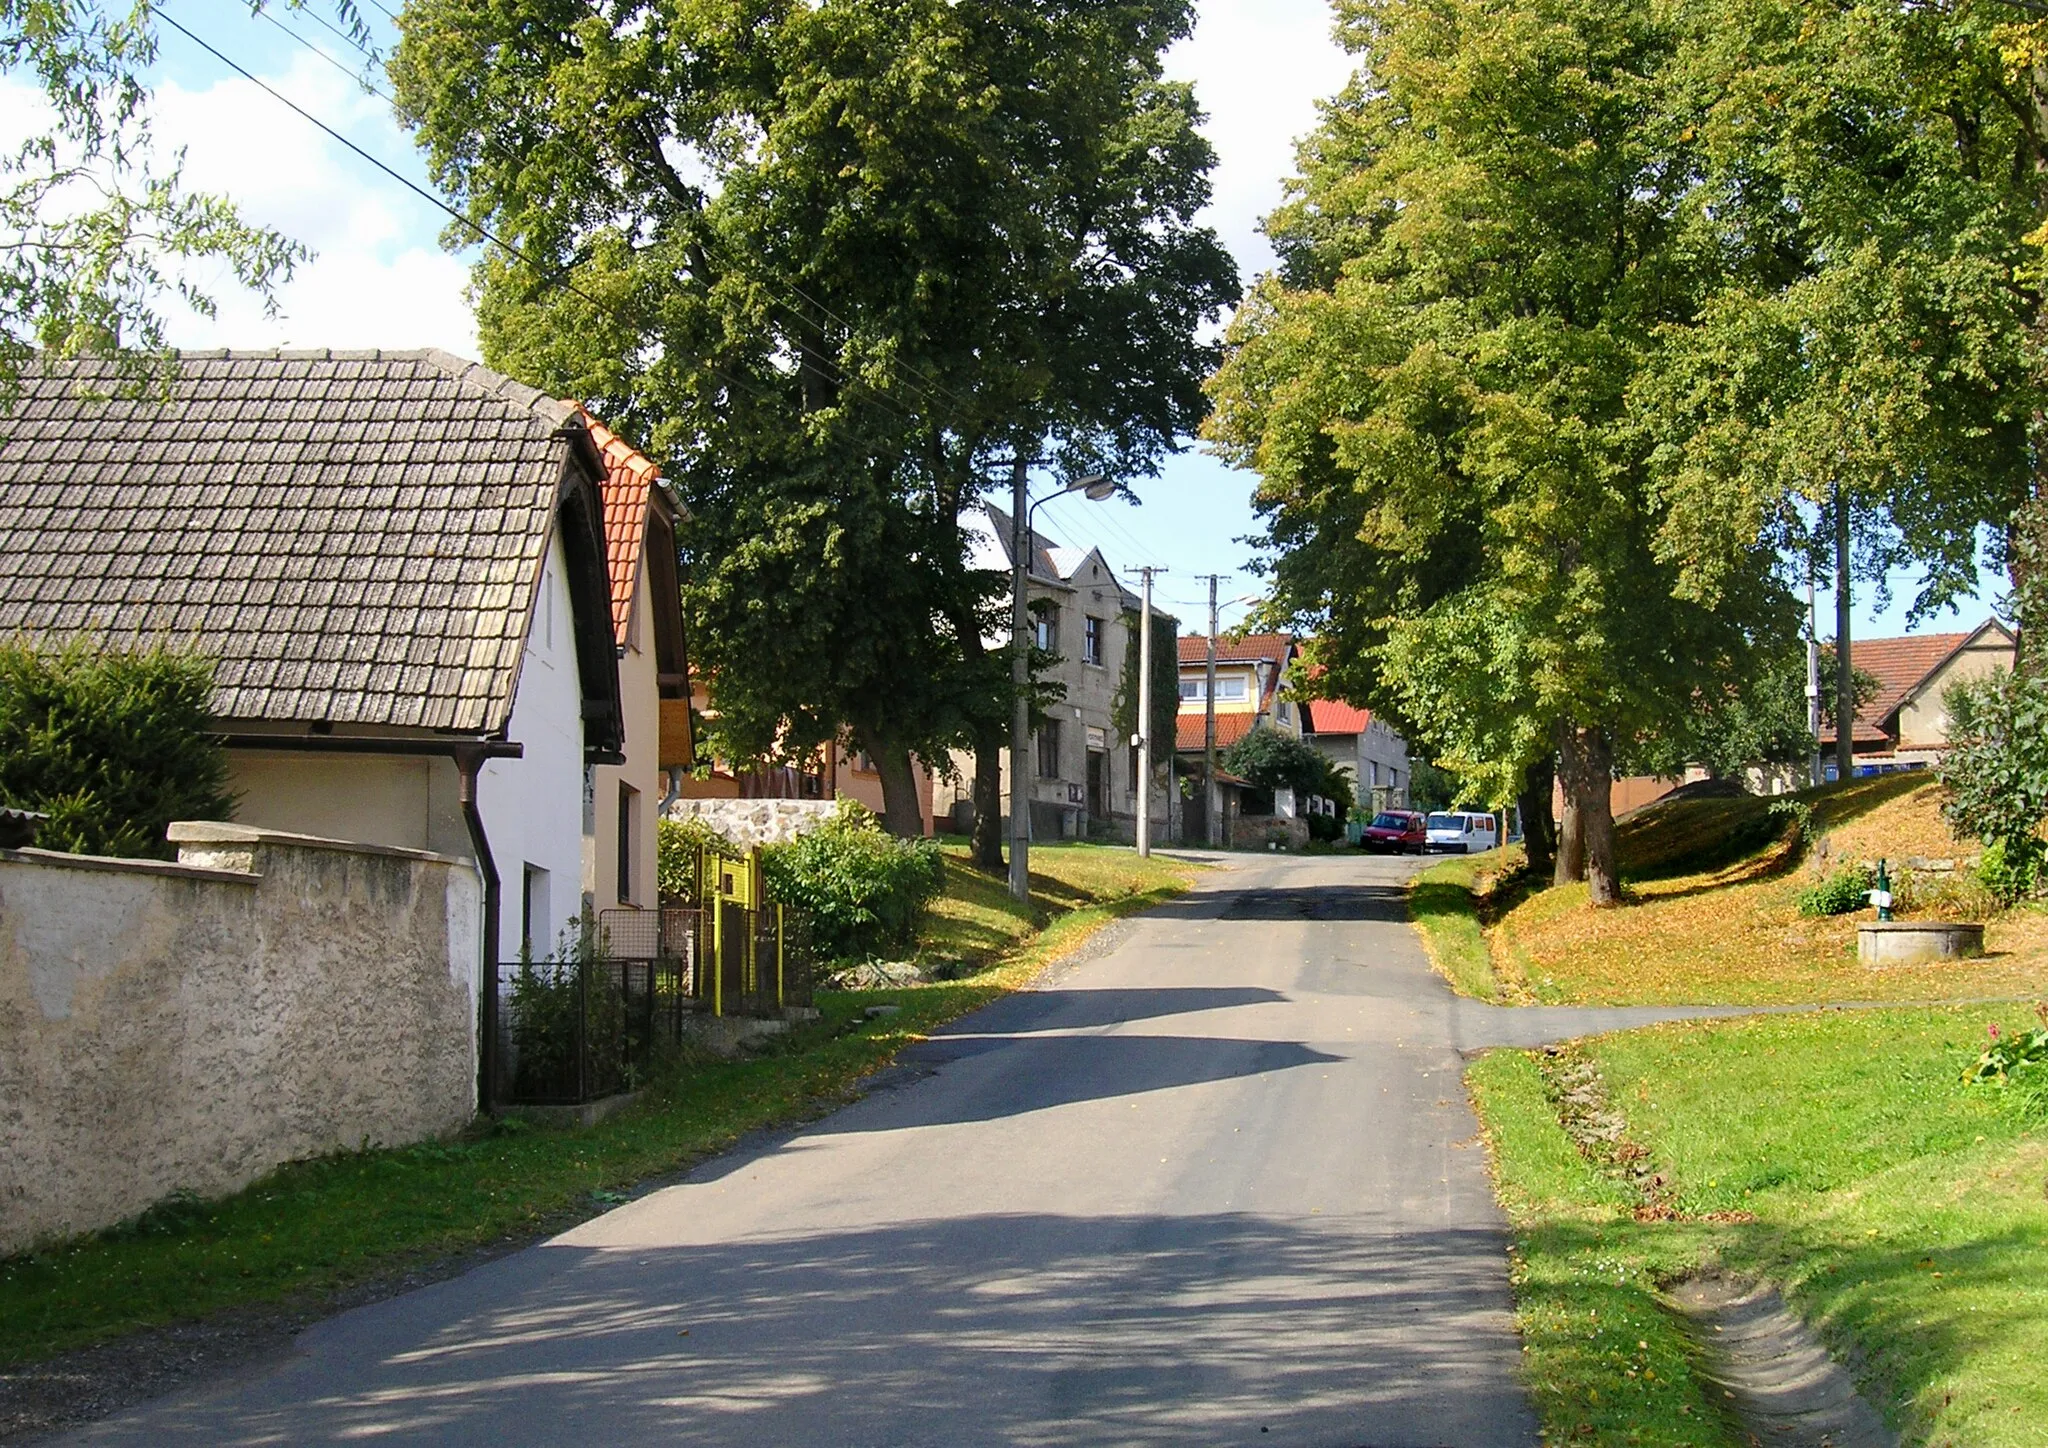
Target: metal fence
[(574, 1031)]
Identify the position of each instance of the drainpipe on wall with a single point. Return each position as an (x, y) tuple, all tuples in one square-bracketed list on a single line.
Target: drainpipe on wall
[(469, 763)]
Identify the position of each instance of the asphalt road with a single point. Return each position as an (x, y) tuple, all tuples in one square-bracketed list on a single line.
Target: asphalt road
[(1218, 1184)]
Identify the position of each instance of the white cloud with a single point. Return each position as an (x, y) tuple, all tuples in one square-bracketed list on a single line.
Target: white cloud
[(1259, 67), (378, 278)]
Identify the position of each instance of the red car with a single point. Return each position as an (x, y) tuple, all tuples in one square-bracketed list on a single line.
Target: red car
[(1399, 831)]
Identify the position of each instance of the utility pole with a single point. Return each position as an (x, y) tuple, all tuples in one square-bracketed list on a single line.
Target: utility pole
[(1210, 810), (1144, 736), (1812, 680), (1020, 681), (1845, 673)]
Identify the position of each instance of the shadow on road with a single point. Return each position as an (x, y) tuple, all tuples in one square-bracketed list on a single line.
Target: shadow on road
[(1013, 1329)]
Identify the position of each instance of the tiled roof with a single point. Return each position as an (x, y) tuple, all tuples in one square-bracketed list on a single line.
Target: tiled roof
[(352, 536), (1333, 716), (1194, 648), (1189, 729), (628, 489), (1900, 666)]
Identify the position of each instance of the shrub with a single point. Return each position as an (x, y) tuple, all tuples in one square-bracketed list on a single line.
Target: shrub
[(1996, 770), (1325, 827), (1847, 890), (866, 893), (2016, 1062), (2010, 870), (112, 744)]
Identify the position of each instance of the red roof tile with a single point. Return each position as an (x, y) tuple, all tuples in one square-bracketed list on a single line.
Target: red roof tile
[(1899, 666), (1229, 729), (1194, 648), (1333, 716), (628, 489)]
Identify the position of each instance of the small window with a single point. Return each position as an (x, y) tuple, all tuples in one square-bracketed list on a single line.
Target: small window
[(1284, 710), (1230, 688), (629, 831), (533, 913), (1045, 632), (1049, 750), (1091, 640), (1191, 688)]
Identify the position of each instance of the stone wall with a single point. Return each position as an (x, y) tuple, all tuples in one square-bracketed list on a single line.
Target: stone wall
[(1258, 832), (751, 822), (186, 1028)]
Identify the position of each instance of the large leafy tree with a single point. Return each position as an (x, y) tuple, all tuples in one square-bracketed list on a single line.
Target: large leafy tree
[(1487, 234), (101, 229), (1858, 384), (837, 262)]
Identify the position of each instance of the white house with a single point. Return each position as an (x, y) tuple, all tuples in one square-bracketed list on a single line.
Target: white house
[(395, 560)]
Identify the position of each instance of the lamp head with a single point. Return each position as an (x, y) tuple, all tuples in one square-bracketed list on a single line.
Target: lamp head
[(1095, 487)]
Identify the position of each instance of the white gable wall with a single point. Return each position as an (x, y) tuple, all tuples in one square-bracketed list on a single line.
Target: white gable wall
[(533, 806)]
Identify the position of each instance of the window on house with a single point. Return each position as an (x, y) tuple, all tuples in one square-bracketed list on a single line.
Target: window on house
[(1191, 688), (533, 913), (1285, 711), (629, 831), (1049, 750), (1230, 688), (1045, 632), (1091, 640), (1374, 767)]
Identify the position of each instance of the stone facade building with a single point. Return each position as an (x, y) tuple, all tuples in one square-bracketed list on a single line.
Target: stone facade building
[(1084, 765)]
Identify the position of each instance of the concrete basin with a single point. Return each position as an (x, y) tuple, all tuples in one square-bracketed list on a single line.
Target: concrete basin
[(1908, 942)]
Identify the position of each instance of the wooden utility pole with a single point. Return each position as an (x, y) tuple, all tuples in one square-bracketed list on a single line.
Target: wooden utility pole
[(1845, 672), (1210, 802)]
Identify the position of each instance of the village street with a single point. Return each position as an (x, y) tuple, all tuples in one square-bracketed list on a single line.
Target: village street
[(1217, 1184)]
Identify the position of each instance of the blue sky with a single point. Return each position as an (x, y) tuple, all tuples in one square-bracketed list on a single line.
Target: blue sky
[(381, 278)]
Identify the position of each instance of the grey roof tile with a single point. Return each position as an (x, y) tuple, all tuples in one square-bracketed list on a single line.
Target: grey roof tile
[(352, 536)]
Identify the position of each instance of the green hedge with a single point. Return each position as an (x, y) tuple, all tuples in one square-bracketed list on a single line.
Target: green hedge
[(113, 744), (865, 891)]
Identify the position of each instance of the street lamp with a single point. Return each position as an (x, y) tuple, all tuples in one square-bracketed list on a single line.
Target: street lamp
[(1095, 488)]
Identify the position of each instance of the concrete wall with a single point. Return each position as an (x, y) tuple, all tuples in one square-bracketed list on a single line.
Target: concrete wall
[(408, 803), (533, 806), (187, 1028)]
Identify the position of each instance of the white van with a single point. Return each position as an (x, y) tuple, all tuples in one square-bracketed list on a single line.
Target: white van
[(1462, 832)]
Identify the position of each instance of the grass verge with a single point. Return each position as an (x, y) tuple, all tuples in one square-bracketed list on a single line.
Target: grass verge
[(1836, 1154), (1443, 902), (1712, 913), (314, 1229)]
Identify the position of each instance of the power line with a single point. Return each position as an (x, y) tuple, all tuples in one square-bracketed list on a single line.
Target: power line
[(838, 374), (429, 196)]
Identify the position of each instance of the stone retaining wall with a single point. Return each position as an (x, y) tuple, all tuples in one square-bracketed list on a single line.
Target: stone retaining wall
[(751, 822), (186, 1028)]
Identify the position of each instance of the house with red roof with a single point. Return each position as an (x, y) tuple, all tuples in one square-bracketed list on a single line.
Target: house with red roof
[(622, 802), (1254, 678), (1905, 724), (1365, 747)]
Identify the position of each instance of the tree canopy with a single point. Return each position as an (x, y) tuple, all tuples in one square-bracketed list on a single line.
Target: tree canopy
[(836, 262), (101, 226), (1434, 390)]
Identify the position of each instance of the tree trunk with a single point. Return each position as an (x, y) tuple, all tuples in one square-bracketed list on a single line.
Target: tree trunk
[(2026, 546), (1571, 826), (1596, 815), (1845, 669), (902, 809), (1539, 818), (987, 848), (1586, 768)]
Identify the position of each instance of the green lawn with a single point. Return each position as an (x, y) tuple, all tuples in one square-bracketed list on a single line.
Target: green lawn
[(316, 1227), (1836, 1154), (1443, 902)]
